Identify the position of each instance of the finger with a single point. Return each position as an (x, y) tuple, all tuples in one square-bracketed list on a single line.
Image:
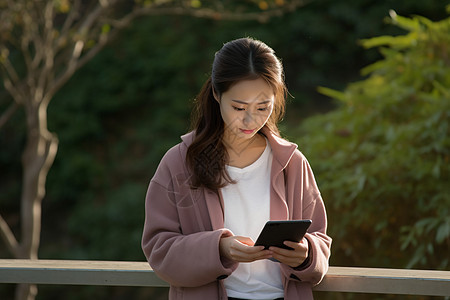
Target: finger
[(247, 245), (245, 257), (291, 258), (297, 252), (239, 245), (244, 250), (245, 253), (290, 261), (296, 246), (288, 253)]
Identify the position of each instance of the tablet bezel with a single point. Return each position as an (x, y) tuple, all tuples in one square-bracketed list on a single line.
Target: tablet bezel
[(274, 233)]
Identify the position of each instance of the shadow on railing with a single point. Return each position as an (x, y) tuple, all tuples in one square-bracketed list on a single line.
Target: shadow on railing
[(116, 273)]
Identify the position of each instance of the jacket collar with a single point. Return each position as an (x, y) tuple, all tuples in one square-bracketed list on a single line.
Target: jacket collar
[(188, 138), (282, 150)]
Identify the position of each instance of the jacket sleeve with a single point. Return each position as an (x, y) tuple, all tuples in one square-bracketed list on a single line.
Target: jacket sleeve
[(319, 242), (186, 260), (319, 252)]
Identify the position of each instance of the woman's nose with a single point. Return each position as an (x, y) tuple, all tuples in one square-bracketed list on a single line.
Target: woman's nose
[(248, 117)]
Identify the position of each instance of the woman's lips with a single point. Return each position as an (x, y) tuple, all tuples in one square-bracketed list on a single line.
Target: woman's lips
[(247, 131)]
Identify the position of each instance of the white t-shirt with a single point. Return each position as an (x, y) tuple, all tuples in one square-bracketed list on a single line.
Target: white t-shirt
[(246, 209)]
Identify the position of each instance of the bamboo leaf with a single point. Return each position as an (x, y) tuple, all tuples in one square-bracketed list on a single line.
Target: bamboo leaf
[(406, 23), (332, 93), (398, 42)]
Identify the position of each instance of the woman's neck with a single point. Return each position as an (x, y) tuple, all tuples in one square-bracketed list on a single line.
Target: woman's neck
[(244, 152)]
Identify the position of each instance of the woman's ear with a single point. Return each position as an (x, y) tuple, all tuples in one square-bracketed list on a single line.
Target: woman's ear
[(215, 95)]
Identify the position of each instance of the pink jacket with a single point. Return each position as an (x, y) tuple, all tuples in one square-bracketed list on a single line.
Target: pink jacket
[(183, 226)]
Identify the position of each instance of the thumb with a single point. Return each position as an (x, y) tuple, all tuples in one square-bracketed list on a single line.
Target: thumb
[(245, 240)]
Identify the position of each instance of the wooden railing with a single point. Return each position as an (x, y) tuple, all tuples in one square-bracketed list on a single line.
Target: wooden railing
[(115, 273)]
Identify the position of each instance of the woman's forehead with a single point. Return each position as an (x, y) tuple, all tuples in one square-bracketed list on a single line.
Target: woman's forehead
[(249, 91)]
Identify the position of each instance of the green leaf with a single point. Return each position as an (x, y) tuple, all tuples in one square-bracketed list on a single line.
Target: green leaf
[(445, 91), (106, 28), (406, 23), (396, 42), (443, 232), (332, 93), (196, 3)]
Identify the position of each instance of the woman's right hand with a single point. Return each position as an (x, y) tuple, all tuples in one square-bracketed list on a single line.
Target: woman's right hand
[(242, 249)]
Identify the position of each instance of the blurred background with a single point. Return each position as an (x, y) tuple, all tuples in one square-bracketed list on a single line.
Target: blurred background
[(377, 138)]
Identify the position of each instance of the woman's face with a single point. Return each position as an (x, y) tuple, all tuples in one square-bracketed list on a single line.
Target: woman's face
[(245, 108)]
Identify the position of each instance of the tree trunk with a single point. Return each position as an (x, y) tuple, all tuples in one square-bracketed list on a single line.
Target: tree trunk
[(38, 156), (26, 292)]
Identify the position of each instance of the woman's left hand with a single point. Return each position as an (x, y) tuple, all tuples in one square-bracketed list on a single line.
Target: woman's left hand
[(292, 258)]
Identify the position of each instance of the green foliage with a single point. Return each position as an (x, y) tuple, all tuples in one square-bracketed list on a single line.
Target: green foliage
[(382, 159)]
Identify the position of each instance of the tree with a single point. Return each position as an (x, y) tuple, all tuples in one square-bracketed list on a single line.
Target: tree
[(42, 44), (382, 158)]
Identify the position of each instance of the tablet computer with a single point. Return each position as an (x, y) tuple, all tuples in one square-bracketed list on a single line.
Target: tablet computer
[(275, 233)]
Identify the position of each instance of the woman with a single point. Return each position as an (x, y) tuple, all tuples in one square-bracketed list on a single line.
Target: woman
[(213, 192)]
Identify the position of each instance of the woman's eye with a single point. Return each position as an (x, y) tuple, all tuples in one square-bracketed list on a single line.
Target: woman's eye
[(263, 108), (238, 108)]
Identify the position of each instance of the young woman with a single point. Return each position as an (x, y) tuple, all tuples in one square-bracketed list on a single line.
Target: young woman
[(212, 193)]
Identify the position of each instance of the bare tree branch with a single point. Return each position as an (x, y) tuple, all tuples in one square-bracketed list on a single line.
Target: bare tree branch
[(10, 71), (25, 44), (14, 91), (209, 13), (70, 19), (94, 15), (8, 237), (4, 118), (47, 69)]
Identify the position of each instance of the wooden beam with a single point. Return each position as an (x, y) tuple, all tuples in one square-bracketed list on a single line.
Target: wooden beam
[(386, 281), (74, 272), (125, 273)]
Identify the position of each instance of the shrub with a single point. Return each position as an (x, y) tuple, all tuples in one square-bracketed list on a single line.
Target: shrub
[(382, 158)]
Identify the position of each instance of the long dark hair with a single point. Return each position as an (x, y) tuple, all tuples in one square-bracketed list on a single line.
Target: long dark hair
[(241, 59)]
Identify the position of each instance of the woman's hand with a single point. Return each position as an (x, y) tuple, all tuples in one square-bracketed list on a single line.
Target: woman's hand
[(292, 258), (241, 249)]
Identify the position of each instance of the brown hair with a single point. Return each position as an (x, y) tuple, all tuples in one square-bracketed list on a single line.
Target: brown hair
[(241, 59)]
